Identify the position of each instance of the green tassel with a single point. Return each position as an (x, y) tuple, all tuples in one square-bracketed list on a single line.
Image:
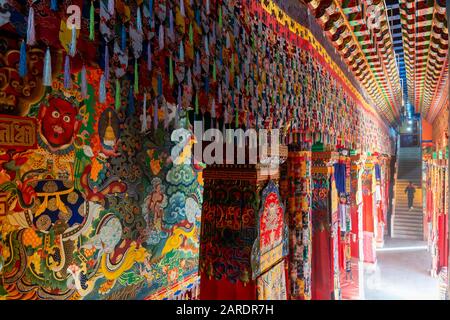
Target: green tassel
[(117, 100), (237, 118), (136, 78), (191, 34), (214, 71), (196, 103), (220, 16), (170, 71), (91, 22)]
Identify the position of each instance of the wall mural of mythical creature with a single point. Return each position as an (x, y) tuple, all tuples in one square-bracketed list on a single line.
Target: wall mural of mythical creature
[(98, 207)]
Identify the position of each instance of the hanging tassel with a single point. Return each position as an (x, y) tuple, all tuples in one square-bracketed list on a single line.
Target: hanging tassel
[(144, 114), (177, 114), (139, 20), (130, 109), (171, 27), (181, 51), (106, 63), (123, 38), (136, 77), (160, 86), (149, 55), (47, 81), (73, 44), (91, 22), (23, 60), (189, 78), (207, 7), (83, 82), (213, 109), (182, 11), (170, 71), (191, 34), (161, 37), (196, 103), (31, 32), (206, 45), (102, 89), (220, 17), (67, 77), (54, 5), (117, 98), (111, 6), (150, 10), (155, 114)]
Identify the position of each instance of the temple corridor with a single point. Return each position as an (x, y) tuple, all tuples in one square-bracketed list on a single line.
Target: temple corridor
[(224, 150)]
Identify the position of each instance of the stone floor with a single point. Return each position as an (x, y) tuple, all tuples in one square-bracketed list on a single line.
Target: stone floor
[(401, 273)]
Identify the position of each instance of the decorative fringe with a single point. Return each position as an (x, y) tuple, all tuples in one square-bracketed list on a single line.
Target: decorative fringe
[(130, 109), (31, 32), (102, 89), (181, 51), (149, 55), (106, 62), (189, 78), (161, 37), (117, 102), (207, 7), (155, 114), (83, 82), (47, 81), (91, 22), (111, 6), (214, 71), (170, 71), (73, 44), (54, 5), (220, 17), (23, 60), (136, 77), (144, 114), (123, 38), (67, 76), (139, 20), (206, 45), (182, 11)]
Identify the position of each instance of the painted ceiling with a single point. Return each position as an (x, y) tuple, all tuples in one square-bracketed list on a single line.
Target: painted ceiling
[(397, 49)]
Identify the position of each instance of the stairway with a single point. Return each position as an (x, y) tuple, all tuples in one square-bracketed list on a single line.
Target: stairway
[(408, 224)]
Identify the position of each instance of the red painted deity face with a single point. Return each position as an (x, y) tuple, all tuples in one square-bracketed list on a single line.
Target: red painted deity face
[(58, 122)]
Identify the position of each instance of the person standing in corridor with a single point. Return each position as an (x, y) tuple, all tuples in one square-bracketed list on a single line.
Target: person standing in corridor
[(410, 189)]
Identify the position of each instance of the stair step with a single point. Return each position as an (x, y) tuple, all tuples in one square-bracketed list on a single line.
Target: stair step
[(407, 237)]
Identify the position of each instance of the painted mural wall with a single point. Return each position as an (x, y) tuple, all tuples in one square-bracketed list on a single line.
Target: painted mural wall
[(91, 203)]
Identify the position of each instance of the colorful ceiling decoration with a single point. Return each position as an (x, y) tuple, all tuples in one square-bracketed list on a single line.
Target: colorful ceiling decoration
[(425, 41), (360, 32)]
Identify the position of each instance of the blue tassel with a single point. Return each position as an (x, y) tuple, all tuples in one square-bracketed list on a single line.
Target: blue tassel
[(73, 44), (124, 37), (182, 10), (54, 5), (155, 114), (160, 86), (150, 10), (23, 60), (106, 63), (171, 27), (139, 20), (181, 51), (47, 69), (102, 89), (83, 82), (31, 32), (67, 77), (130, 109)]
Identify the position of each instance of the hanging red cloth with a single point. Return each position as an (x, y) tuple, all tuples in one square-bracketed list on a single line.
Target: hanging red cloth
[(322, 272), (368, 213), (354, 235), (442, 241)]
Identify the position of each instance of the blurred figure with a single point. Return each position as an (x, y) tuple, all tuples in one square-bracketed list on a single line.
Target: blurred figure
[(410, 190)]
